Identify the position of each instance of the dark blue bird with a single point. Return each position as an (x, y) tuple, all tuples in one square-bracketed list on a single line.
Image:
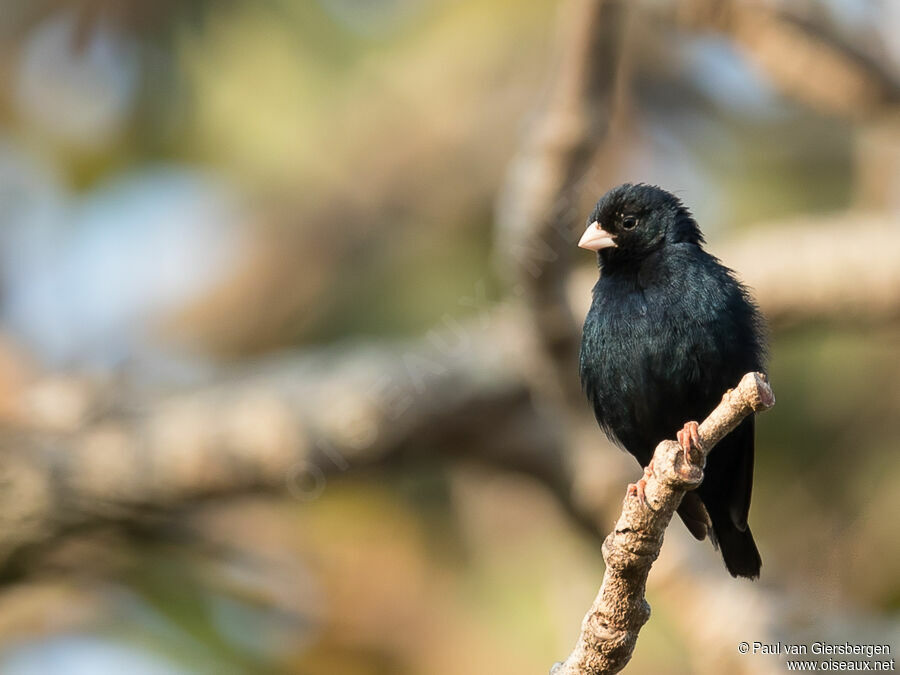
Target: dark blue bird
[(669, 331)]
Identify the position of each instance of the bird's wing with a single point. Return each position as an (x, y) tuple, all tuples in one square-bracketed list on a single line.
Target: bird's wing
[(728, 482), (739, 504), (694, 515)]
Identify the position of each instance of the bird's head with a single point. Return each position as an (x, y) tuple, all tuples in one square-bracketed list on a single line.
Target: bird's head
[(632, 221)]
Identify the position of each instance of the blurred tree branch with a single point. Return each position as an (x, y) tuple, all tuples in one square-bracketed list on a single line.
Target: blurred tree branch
[(808, 59), (286, 424), (538, 212), (610, 629)]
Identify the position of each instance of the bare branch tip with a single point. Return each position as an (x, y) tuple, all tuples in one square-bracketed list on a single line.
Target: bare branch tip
[(763, 398)]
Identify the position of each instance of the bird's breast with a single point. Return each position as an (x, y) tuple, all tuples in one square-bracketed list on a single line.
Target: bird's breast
[(638, 353)]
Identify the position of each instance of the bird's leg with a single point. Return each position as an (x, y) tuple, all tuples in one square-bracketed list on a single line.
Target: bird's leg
[(638, 489), (689, 438)]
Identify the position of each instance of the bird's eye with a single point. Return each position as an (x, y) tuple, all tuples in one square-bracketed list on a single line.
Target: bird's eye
[(629, 222)]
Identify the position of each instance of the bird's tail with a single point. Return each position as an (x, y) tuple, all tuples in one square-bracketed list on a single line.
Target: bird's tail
[(737, 546)]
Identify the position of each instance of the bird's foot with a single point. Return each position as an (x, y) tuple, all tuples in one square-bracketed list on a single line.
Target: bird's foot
[(689, 439), (639, 489)]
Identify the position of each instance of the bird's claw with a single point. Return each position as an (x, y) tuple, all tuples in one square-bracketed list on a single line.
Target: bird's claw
[(639, 489), (689, 439)]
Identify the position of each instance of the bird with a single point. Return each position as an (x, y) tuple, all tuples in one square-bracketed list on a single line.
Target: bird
[(670, 330)]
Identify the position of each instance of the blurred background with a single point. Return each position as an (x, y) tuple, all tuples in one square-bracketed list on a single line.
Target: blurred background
[(290, 307)]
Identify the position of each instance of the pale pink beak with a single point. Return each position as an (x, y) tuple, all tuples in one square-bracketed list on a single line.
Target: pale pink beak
[(595, 238)]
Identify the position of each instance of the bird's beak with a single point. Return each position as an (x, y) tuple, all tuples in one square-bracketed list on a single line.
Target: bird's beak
[(595, 238)]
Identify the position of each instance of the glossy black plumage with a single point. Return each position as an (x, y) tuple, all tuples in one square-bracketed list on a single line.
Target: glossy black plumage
[(670, 330)]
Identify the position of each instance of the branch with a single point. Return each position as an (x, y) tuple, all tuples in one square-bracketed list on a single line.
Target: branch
[(610, 629), (286, 424), (807, 59), (809, 269), (539, 209)]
